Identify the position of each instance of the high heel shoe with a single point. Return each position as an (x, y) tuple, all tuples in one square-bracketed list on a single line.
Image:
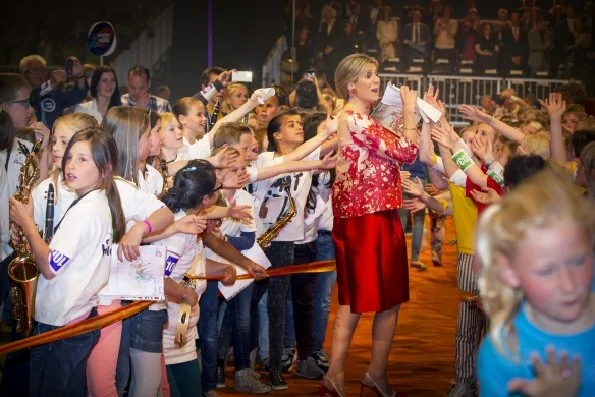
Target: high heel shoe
[(368, 383), (325, 391)]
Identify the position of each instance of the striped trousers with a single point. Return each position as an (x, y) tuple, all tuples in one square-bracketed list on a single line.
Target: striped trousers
[(470, 324)]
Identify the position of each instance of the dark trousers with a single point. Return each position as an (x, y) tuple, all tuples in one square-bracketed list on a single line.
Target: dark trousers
[(209, 335), (59, 368), (303, 290)]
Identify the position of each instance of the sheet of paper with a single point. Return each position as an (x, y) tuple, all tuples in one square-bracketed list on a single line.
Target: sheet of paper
[(255, 254), (141, 279)]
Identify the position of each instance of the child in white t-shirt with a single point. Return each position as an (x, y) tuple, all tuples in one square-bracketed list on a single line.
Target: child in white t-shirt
[(75, 266)]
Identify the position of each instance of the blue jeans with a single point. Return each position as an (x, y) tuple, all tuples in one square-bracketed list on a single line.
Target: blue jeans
[(59, 368), (325, 250), (209, 335), (236, 328), (146, 330), (262, 323), (417, 237)]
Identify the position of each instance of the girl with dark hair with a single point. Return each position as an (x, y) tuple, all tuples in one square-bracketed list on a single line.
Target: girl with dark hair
[(75, 266), (195, 189), (105, 92)]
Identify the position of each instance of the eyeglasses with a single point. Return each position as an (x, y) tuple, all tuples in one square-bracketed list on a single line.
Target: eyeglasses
[(24, 103)]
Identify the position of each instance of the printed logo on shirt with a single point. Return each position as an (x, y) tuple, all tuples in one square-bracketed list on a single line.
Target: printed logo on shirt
[(48, 105), (106, 248), (170, 264), (58, 260)]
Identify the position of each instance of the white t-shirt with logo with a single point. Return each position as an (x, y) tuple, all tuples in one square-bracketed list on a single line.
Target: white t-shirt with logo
[(152, 183), (200, 149), (182, 249), (80, 259), (270, 193)]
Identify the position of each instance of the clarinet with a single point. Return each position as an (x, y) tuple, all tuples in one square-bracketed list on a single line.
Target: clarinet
[(49, 215), (213, 118)]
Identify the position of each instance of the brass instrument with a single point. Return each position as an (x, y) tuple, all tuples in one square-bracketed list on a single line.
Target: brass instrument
[(184, 316), (22, 270), (165, 175), (272, 232)]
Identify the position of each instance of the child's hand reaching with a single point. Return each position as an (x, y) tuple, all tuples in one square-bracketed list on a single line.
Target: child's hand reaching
[(558, 376)]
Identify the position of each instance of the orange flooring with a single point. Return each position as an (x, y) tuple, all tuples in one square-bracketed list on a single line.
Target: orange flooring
[(421, 359)]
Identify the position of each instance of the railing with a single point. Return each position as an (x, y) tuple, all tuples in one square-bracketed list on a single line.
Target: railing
[(459, 90)]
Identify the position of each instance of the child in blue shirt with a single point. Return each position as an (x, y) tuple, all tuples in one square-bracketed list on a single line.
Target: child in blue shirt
[(536, 282)]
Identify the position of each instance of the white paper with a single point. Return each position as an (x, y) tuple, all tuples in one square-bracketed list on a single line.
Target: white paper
[(263, 94), (392, 97), (141, 279), (255, 254)]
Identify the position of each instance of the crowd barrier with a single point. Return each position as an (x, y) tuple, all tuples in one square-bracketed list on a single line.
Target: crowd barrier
[(459, 90)]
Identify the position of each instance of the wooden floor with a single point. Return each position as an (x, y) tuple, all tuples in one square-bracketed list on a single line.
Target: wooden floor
[(421, 359)]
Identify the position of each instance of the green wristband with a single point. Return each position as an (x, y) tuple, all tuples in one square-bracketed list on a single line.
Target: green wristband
[(499, 180), (462, 160)]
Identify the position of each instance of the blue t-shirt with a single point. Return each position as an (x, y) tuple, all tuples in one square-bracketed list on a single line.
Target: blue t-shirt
[(495, 370)]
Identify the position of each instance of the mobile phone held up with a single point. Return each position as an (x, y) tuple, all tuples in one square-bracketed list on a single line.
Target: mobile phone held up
[(68, 67), (244, 76), (309, 74)]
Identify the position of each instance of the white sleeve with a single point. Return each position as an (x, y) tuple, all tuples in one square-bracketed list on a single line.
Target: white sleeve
[(73, 235), (459, 178), (175, 247), (137, 205), (252, 173), (438, 165), (315, 155)]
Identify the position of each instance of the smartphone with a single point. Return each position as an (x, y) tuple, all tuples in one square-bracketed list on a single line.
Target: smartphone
[(309, 74), (68, 67), (242, 76)]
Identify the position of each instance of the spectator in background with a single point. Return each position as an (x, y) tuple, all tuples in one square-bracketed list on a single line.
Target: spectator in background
[(486, 48), (104, 91), (564, 37), (139, 91), (416, 39), (445, 32), (467, 35), (579, 60), (516, 45), (387, 34), (359, 24), (163, 92), (304, 50), (88, 69), (50, 97), (540, 43), (328, 38)]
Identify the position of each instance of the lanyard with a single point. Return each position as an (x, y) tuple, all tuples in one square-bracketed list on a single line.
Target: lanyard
[(72, 205)]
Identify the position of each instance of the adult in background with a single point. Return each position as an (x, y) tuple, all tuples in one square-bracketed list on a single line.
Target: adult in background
[(50, 97), (139, 91)]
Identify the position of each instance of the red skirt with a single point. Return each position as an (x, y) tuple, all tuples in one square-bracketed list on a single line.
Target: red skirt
[(372, 265)]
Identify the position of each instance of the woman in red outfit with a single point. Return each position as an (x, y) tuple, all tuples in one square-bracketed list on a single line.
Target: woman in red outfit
[(371, 251)]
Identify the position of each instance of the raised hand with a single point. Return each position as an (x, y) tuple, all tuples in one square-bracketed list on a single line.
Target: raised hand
[(191, 224), (414, 205), (413, 187), (329, 161), (554, 105), (485, 196), (483, 150), (409, 98), (442, 135), (474, 114), (241, 213)]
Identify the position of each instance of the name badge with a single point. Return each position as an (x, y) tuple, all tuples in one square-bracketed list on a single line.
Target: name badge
[(58, 260), (170, 264)]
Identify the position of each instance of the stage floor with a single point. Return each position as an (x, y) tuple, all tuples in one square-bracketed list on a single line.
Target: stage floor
[(421, 359)]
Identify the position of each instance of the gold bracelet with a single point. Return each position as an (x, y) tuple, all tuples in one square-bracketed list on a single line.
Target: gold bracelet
[(410, 129)]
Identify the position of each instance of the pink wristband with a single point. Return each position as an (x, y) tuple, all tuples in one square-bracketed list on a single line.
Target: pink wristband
[(149, 226)]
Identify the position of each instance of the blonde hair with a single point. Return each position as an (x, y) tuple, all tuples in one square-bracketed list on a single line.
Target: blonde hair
[(588, 163), (537, 144), (229, 91), (26, 61), (127, 125), (541, 201), (167, 118), (348, 71)]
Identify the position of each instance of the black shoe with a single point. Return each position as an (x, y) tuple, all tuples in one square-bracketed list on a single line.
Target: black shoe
[(220, 377), (277, 382), (287, 359)]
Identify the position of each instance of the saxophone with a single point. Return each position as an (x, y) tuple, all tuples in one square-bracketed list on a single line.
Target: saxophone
[(22, 270), (272, 232)]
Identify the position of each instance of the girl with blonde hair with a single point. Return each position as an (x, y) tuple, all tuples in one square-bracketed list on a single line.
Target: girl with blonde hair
[(234, 96), (535, 250)]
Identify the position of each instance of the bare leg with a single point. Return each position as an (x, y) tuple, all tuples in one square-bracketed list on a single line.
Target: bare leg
[(383, 330), (344, 328)]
